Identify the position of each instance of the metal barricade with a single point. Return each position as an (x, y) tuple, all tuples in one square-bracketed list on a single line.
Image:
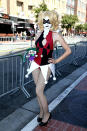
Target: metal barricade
[(25, 66), (13, 68), (58, 51), (10, 78), (11, 72), (3, 39), (14, 38), (80, 52)]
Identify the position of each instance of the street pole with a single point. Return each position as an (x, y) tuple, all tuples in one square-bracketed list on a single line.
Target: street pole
[(13, 28)]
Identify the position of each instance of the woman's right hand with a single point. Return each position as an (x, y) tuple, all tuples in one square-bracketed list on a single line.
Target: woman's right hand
[(51, 60)]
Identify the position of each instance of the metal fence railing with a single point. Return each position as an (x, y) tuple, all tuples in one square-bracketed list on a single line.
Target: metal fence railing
[(9, 75), (11, 72), (13, 69), (14, 38)]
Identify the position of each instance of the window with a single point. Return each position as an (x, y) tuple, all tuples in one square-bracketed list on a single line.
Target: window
[(72, 11), (79, 3), (83, 6), (68, 10), (83, 16), (73, 3), (30, 13), (78, 13), (30, 7), (69, 2), (19, 7)]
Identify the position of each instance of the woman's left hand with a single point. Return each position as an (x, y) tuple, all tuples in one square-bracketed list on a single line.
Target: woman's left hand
[(52, 61)]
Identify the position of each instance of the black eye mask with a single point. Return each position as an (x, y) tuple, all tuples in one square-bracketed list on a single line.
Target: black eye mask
[(46, 21)]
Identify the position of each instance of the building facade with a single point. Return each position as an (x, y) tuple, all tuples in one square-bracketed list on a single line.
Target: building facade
[(81, 10), (19, 8), (77, 7), (86, 13), (23, 8), (3, 6), (70, 7)]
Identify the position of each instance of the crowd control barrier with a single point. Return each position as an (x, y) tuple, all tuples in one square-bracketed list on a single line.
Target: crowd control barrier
[(11, 74), (14, 38), (13, 68)]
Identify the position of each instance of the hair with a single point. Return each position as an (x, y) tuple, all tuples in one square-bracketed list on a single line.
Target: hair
[(53, 17)]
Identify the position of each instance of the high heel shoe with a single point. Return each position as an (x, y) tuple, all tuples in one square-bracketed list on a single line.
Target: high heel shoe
[(39, 119), (45, 123)]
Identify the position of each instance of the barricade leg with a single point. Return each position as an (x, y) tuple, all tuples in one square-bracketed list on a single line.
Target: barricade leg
[(74, 61), (56, 56), (22, 80)]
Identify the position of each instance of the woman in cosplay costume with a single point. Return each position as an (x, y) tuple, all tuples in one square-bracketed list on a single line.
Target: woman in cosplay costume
[(43, 64)]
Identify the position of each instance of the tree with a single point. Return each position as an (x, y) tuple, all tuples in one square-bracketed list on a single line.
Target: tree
[(79, 28), (42, 7), (68, 21), (85, 26)]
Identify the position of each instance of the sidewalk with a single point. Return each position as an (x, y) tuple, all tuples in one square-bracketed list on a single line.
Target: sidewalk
[(12, 47), (71, 113)]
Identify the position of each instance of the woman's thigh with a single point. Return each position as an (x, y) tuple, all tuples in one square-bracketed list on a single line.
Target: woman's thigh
[(36, 74), (41, 81)]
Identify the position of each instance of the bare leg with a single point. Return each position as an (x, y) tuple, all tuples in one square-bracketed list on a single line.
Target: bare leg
[(36, 74), (40, 93)]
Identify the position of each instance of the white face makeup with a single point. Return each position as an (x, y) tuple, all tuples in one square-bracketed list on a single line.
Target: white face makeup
[(46, 23)]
